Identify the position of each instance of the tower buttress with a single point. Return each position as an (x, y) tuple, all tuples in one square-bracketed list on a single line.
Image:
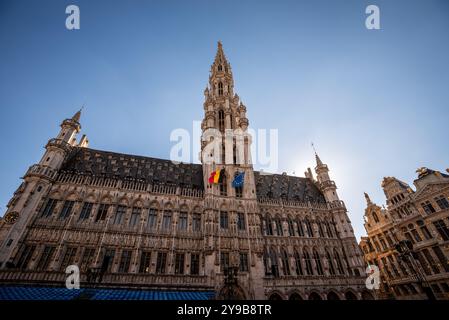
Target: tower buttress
[(57, 148), (328, 186)]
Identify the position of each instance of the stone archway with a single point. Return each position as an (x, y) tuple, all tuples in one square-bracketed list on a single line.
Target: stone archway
[(332, 296), (349, 295), (275, 296), (295, 296), (314, 296)]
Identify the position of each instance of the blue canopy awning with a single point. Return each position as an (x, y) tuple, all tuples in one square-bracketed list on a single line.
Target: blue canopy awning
[(53, 293)]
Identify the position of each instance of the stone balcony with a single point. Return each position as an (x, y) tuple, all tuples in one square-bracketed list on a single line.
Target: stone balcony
[(41, 172)]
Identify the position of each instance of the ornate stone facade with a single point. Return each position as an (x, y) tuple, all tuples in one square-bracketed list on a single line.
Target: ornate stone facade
[(151, 223), (419, 219)]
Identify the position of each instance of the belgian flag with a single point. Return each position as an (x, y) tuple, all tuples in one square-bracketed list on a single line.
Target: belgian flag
[(217, 176)]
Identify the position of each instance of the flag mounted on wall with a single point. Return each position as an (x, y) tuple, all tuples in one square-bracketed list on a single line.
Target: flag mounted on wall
[(217, 176), (238, 180)]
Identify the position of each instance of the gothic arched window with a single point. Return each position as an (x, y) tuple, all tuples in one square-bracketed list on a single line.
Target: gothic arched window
[(375, 217), (269, 226), (309, 228), (221, 120), (220, 88), (299, 271), (339, 264), (308, 261), (317, 259), (330, 262), (279, 230), (285, 265), (223, 186), (300, 229), (220, 68), (274, 263), (291, 229)]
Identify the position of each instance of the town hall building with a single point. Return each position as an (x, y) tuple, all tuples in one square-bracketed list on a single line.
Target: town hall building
[(141, 224)]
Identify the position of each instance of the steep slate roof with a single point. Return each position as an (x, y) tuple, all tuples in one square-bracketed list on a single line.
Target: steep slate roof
[(291, 188), (165, 172)]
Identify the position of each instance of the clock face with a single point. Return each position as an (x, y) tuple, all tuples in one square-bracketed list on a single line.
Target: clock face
[(11, 217)]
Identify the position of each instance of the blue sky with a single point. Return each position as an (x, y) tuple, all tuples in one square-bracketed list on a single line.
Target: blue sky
[(374, 102)]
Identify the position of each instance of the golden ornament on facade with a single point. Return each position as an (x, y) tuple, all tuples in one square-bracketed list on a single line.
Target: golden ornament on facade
[(11, 217)]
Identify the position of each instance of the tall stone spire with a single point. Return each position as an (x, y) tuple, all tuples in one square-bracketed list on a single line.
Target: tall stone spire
[(77, 116), (318, 160), (368, 200)]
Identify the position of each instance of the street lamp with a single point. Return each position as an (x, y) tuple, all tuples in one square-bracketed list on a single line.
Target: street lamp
[(410, 256)]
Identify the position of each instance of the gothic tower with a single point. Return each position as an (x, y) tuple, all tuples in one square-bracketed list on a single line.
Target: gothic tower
[(230, 210), (351, 251), (37, 181)]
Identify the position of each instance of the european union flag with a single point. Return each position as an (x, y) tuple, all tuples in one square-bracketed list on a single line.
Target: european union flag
[(238, 180)]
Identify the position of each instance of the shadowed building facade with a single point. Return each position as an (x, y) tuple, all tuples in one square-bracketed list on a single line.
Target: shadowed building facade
[(151, 224), (419, 220)]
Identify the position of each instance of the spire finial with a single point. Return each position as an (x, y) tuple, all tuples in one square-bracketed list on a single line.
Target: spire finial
[(318, 160), (77, 116), (367, 198)]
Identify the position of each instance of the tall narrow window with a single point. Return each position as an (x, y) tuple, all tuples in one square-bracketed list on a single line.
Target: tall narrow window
[(49, 207), (69, 257), (241, 221), (320, 229), (298, 264), (102, 212), (317, 259), (269, 227), (224, 219), (85, 211), (25, 256), (330, 263), (339, 264), (291, 228), (220, 88), (182, 223), (223, 185), (135, 216), (166, 220), (125, 261), (161, 262), (108, 259), (279, 228), (66, 209), (308, 261), (300, 228), (274, 263), (442, 202), (45, 258), (224, 260), (87, 259), (329, 230), (196, 222), (152, 219), (441, 257), (119, 215), (179, 263), (428, 208), (145, 262), (243, 267), (285, 263), (221, 121), (442, 229), (239, 192), (194, 264), (309, 228)]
